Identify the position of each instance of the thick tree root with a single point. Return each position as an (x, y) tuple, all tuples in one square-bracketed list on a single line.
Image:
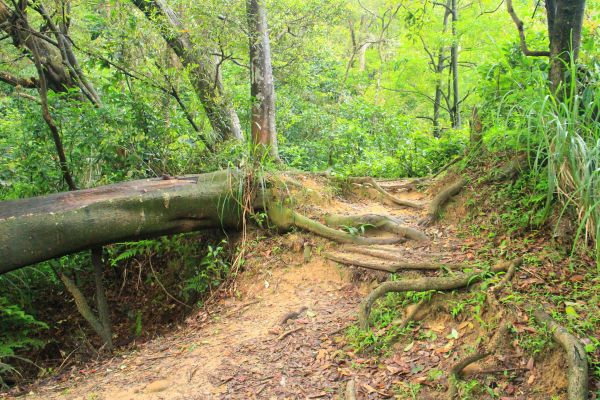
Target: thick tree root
[(373, 251), (285, 218), (384, 265), (381, 222), (407, 186), (421, 285), (510, 273), (442, 198), (368, 181), (577, 373)]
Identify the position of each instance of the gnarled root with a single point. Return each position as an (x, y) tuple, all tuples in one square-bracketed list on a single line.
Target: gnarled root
[(510, 273), (420, 285), (577, 373), (381, 222), (442, 198), (286, 218), (368, 181), (384, 264)]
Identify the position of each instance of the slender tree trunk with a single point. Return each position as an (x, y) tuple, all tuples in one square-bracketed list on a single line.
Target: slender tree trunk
[(439, 68), (456, 121), (565, 18), (101, 302), (208, 88), (364, 44), (43, 91), (262, 87)]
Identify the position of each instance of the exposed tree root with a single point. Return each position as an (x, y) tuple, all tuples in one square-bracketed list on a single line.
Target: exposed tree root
[(385, 265), (386, 195), (404, 186), (421, 285), (510, 273), (382, 222), (350, 392), (286, 218), (440, 199), (456, 372), (577, 373)]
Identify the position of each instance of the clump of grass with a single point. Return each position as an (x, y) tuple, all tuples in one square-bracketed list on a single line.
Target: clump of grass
[(569, 153), (562, 137)]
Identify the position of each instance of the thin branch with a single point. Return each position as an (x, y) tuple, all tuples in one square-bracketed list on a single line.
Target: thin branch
[(492, 11), (28, 83), (519, 25)]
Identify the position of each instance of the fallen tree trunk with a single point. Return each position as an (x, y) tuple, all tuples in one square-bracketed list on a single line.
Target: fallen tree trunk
[(40, 228)]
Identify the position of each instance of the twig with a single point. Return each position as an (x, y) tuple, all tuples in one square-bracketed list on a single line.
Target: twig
[(285, 334)]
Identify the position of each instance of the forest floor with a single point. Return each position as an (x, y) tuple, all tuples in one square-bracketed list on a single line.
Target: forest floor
[(239, 349)]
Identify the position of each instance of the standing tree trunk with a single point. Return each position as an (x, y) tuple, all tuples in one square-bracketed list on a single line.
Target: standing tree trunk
[(208, 87), (439, 70), (262, 90), (456, 122), (565, 18)]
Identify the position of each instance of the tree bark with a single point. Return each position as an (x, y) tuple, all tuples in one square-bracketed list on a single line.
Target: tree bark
[(565, 18), (101, 301), (40, 228), (208, 88), (262, 89), (456, 121), (439, 70)]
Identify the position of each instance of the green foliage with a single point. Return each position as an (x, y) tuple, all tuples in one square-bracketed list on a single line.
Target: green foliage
[(17, 332), (384, 331), (213, 269)]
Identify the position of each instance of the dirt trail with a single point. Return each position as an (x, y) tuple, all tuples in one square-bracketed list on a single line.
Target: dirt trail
[(242, 352)]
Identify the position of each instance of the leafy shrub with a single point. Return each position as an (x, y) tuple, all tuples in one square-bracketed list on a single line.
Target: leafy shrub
[(17, 330)]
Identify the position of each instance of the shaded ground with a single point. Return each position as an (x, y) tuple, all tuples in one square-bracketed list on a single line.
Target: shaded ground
[(241, 351)]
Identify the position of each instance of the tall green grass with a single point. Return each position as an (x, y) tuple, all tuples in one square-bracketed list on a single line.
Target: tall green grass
[(564, 141)]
